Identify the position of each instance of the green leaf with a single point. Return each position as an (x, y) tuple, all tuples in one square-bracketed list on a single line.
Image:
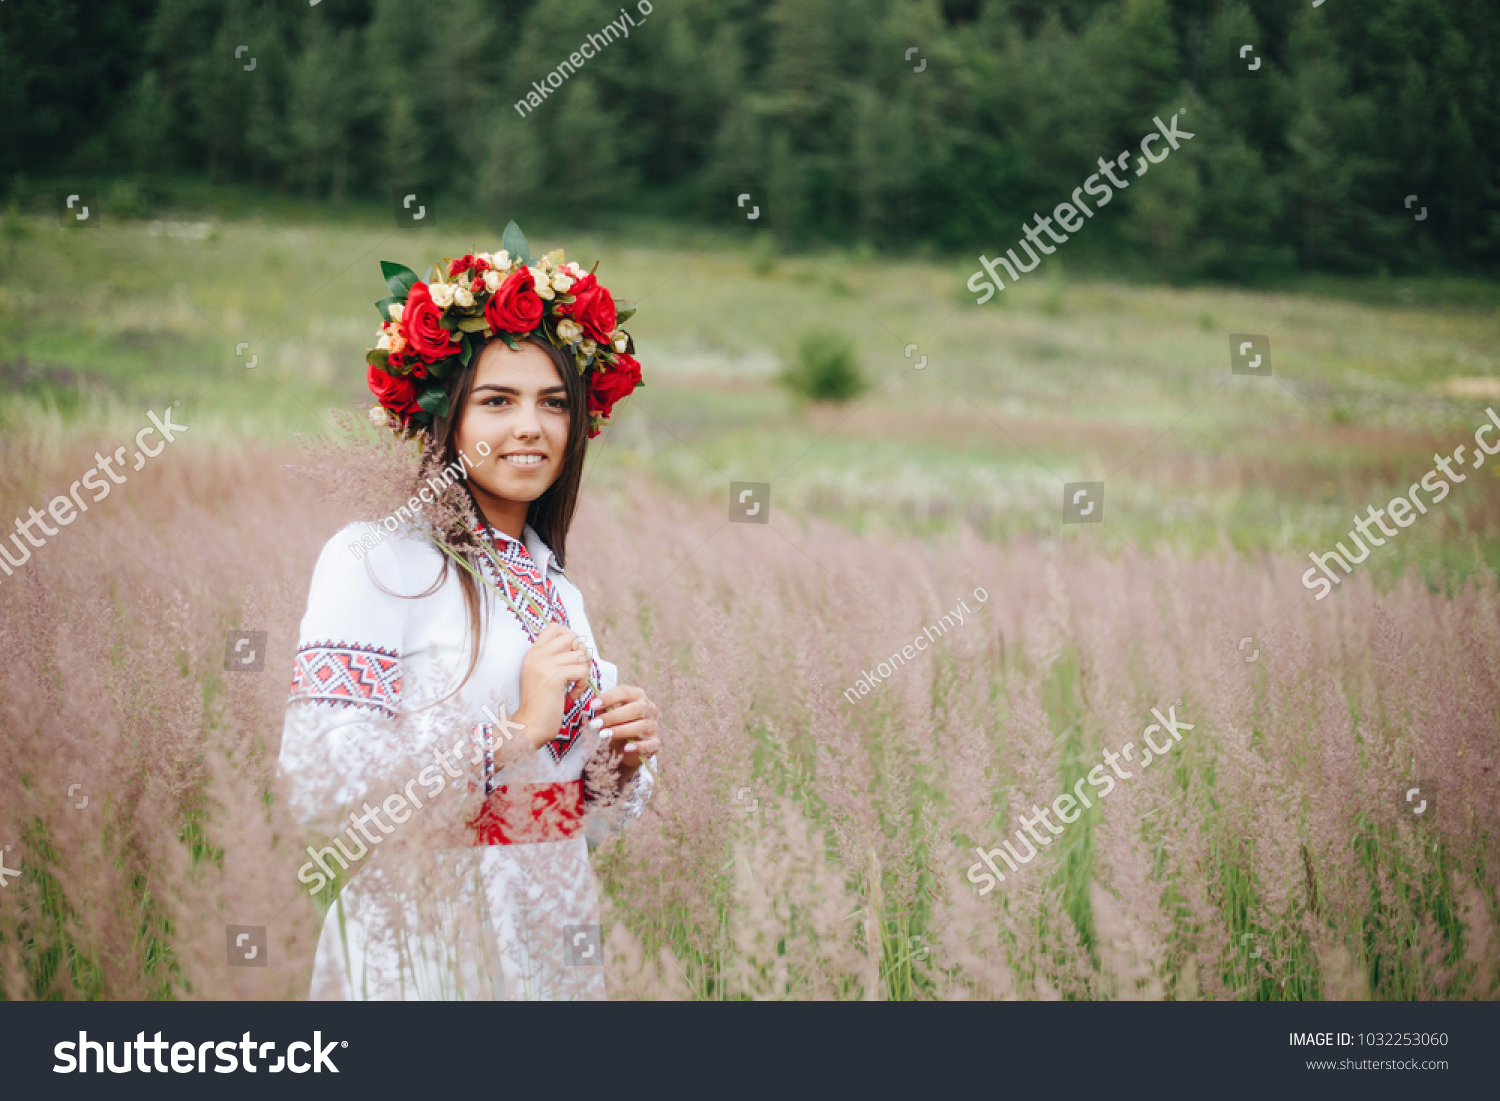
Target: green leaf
[(510, 340), (468, 352), (624, 311), (449, 322), (377, 358), (441, 368), (399, 278), (514, 242), (384, 306), (434, 400), (472, 324)]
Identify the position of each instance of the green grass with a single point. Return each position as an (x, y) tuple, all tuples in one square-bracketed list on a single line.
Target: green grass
[(1054, 381)]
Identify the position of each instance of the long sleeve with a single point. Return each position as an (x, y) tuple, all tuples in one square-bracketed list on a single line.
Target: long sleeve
[(347, 678)]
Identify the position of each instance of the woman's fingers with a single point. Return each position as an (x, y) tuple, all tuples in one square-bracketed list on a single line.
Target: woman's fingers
[(628, 712), (570, 669), (552, 632), (635, 751), (622, 693), (566, 643), (642, 728)]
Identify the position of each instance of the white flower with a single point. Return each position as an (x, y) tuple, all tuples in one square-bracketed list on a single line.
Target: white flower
[(492, 280), (621, 342), (463, 298), (378, 417), (394, 309), (588, 347), (501, 260), (442, 294), (384, 343), (569, 330), (544, 289), (561, 282), (575, 269)]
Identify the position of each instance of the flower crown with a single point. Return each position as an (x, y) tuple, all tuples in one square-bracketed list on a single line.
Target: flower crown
[(434, 327)]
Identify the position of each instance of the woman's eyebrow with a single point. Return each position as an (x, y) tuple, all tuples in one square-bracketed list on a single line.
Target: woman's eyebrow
[(512, 390)]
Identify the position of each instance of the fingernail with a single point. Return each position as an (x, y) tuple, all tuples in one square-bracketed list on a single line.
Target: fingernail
[(629, 747), (596, 724)]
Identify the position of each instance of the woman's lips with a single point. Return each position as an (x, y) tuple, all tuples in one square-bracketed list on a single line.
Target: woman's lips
[(525, 460)]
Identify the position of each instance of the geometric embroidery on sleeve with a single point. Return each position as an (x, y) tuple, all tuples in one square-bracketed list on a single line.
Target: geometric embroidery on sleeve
[(351, 676)]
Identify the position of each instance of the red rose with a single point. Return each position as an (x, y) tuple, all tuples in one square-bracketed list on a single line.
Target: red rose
[(462, 264), (593, 308), (515, 307), (613, 383), (420, 325), (399, 395)]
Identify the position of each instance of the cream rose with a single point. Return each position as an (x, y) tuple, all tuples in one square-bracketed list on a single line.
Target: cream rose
[(492, 280), (588, 347), (395, 311), (569, 330), (442, 294), (501, 260), (463, 298), (561, 282), (384, 343), (620, 342)]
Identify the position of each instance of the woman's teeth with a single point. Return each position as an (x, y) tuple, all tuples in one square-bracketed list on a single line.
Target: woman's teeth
[(524, 460)]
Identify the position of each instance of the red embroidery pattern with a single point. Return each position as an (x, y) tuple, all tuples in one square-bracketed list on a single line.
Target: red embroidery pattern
[(534, 600), (530, 813), (351, 676)]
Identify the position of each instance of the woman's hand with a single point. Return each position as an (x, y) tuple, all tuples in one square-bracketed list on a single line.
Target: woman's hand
[(629, 721), (556, 658)]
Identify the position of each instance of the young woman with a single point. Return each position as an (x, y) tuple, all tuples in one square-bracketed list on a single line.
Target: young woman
[(446, 671)]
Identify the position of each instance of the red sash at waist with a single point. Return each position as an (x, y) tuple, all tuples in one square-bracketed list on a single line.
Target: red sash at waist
[(529, 813)]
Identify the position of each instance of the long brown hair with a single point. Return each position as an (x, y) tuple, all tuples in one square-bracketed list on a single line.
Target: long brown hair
[(550, 515)]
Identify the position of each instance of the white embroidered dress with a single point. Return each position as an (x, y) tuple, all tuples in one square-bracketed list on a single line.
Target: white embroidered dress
[(491, 921)]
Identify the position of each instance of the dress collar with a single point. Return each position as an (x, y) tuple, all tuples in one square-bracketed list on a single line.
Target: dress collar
[(540, 553)]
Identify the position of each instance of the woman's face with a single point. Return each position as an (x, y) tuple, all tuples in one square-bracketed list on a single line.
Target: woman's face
[(518, 412)]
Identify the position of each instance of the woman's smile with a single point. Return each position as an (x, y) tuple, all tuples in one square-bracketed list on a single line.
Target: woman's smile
[(525, 459)]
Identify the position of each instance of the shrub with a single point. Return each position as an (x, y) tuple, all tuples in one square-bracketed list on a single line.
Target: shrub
[(825, 369)]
